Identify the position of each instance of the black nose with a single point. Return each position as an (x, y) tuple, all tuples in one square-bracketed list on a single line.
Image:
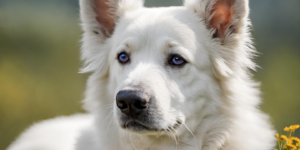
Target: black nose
[(132, 103)]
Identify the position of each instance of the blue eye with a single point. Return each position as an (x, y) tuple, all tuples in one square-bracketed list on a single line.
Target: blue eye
[(177, 60), (123, 57)]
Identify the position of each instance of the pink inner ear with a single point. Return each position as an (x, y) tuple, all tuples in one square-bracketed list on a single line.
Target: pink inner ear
[(104, 17), (222, 16)]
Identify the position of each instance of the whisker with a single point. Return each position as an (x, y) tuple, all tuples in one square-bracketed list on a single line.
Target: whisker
[(177, 137), (169, 132), (110, 104), (174, 136), (114, 135), (132, 142), (178, 140), (113, 129), (107, 115), (104, 107), (111, 120), (192, 135)]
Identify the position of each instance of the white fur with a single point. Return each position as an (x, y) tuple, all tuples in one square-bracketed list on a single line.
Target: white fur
[(213, 95), (58, 133)]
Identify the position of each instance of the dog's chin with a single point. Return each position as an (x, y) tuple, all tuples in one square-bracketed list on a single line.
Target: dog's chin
[(140, 128)]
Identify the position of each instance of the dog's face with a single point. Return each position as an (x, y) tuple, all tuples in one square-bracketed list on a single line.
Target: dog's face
[(158, 64), (153, 63)]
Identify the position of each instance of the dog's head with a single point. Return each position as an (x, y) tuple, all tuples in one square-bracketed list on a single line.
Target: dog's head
[(161, 66)]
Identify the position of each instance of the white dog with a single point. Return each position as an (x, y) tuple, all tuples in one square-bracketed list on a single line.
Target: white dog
[(162, 79)]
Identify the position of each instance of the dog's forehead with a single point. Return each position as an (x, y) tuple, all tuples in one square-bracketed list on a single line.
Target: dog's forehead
[(158, 25)]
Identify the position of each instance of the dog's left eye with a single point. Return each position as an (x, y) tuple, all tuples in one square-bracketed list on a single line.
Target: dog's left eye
[(123, 57), (176, 60)]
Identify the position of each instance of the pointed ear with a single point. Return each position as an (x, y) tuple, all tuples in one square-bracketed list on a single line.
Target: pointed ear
[(225, 17), (100, 16), (228, 22), (99, 19)]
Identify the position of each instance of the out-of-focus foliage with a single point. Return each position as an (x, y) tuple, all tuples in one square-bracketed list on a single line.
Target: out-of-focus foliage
[(39, 61), (276, 34)]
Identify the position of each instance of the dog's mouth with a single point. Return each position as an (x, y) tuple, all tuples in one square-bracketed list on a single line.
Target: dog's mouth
[(139, 127)]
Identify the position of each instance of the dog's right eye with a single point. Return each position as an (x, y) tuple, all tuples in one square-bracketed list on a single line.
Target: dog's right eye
[(123, 57), (176, 60)]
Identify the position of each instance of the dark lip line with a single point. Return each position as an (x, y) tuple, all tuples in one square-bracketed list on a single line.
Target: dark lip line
[(148, 128), (176, 126)]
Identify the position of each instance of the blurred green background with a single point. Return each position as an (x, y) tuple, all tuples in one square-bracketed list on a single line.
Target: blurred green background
[(39, 61)]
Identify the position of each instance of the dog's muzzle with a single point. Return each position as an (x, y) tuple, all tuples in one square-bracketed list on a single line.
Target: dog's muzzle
[(132, 103)]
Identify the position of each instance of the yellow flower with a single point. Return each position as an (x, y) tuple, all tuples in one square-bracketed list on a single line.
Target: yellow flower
[(292, 128), (290, 142), (289, 147), (283, 138), (287, 129), (297, 140)]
